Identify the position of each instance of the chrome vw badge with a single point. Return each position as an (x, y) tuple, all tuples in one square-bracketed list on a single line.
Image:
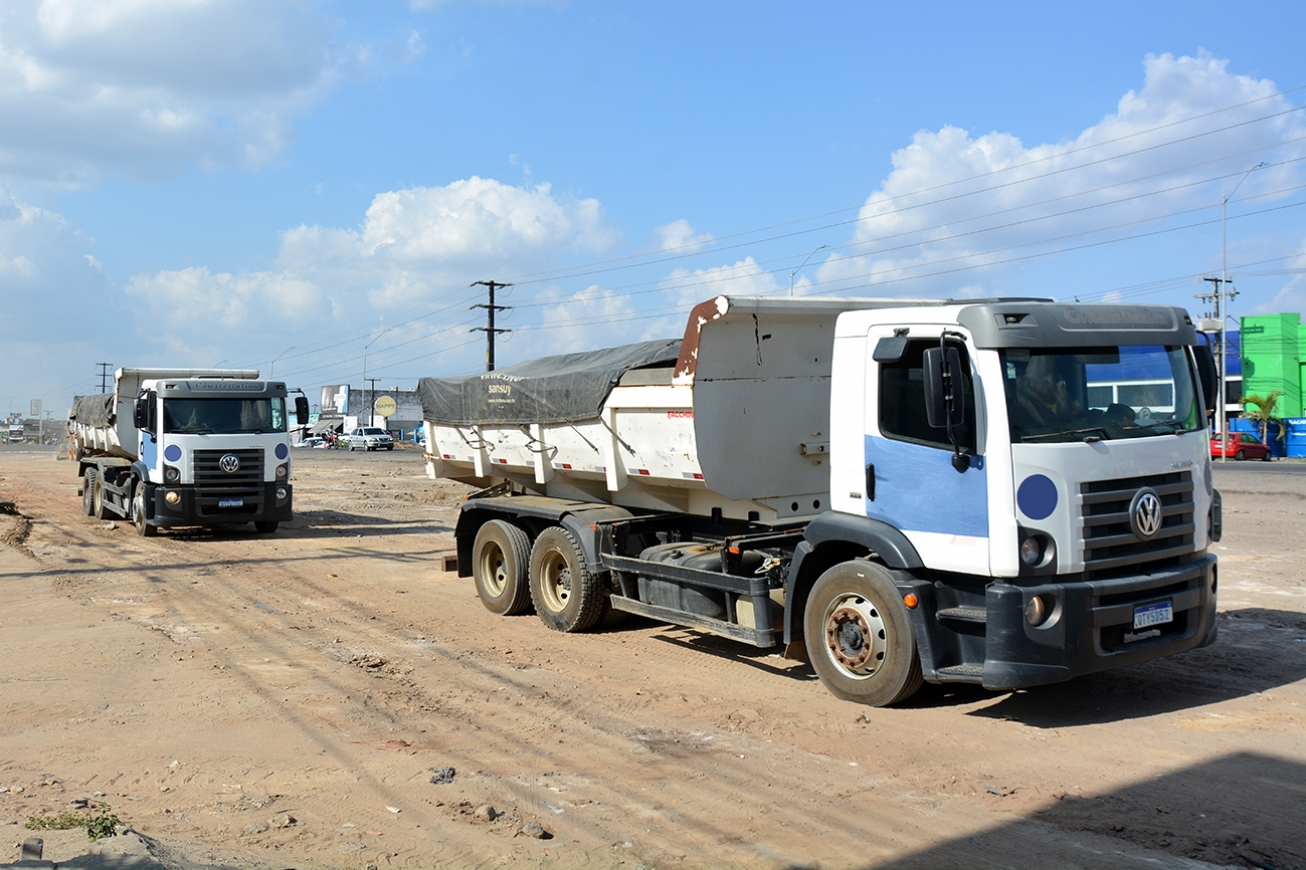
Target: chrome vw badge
[(229, 463), (1145, 513)]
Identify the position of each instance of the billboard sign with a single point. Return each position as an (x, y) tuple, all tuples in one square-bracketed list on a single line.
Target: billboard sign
[(335, 400)]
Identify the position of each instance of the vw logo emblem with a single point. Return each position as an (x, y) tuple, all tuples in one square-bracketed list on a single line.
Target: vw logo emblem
[(229, 463), (1145, 513)]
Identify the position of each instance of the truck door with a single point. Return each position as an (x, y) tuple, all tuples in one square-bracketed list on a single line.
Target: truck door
[(149, 429), (911, 482)]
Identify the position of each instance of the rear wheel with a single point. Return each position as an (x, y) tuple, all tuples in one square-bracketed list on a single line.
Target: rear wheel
[(859, 636), (266, 527), (97, 501), (501, 556), (143, 528), (567, 595), (89, 480), (1266, 457)]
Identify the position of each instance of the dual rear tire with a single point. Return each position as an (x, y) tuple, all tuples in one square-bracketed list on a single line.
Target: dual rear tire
[(512, 575)]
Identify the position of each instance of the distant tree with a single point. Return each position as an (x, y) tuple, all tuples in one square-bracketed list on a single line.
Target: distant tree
[(1261, 409)]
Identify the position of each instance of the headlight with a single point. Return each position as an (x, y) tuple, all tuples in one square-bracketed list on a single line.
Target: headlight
[(172, 496), (171, 474), (283, 471), (1031, 552)]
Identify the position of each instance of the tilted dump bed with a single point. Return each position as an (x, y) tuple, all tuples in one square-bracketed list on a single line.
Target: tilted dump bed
[(734, 416)]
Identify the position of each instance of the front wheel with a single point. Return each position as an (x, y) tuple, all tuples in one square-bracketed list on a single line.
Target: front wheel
[(143, 528), (265, 527), (567, 595), (1268, 455), (501, 555), (859, 636)]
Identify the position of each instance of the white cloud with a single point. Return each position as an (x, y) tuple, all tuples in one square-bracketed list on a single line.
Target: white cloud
[(680, 237), (956, 202), (149, 87), (415, 245)]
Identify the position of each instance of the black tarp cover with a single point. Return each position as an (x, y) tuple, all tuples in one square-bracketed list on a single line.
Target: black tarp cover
[(94, 410), (555, 389)]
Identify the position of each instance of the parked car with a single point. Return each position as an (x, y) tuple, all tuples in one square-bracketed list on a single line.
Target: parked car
[(370, 438), (1240, 445)]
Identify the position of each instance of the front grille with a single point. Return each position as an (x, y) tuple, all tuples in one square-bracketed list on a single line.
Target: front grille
[(210, 476), (1108, 539)]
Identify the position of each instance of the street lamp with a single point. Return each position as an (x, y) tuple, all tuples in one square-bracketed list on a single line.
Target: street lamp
[(365, 347), (272, 366), (800, 267), (1222, 421)]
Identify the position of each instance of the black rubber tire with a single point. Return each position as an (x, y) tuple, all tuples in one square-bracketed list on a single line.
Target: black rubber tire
[(611, 617), (89, 481), (137, 513), (501, 556), (98, 509), (1240, 455), (390, 447), (266, 527), (1267, 457), (567, 595), (351, 447), (856, 607)]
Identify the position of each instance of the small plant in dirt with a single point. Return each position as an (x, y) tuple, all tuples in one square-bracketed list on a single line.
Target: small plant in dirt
[(98, 824)]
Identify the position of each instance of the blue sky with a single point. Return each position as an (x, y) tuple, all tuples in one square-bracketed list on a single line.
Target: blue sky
[(190, 182)]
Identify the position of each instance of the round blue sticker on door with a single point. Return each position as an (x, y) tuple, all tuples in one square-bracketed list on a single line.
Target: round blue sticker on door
[(1037, 496)]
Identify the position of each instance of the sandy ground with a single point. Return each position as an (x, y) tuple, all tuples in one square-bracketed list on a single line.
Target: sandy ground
[(326, 697)]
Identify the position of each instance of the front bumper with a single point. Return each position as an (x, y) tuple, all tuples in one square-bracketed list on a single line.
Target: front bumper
[(211, 507), (1092, 630)]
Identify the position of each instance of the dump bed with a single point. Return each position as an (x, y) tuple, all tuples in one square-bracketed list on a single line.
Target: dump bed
[(734, 416)]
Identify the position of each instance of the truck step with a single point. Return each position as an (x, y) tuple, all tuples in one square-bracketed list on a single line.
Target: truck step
[(964, 614), (961, 674)]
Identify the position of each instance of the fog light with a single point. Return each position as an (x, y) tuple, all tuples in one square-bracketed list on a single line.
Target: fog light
[(172, 496), (1031, 551), (282, 493), (170, 474), (1036, 611)]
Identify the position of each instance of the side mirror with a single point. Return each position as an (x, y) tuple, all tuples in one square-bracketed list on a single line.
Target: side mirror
[(1208, 373), (942, 372), (301, 410), (141, 417)]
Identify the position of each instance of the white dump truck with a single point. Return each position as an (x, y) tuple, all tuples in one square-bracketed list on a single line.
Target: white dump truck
[(185, 447), (1007, 492)]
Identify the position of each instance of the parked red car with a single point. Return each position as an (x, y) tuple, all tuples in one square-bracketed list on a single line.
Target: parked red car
[(1240, 445)]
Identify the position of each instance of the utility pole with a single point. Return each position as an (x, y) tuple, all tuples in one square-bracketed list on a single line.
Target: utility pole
[(371, 398), (489, 328), (1220, 292), (104, 376)]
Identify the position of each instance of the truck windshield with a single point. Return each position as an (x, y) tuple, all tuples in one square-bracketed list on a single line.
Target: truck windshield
[(1099, 393), (224, 416)]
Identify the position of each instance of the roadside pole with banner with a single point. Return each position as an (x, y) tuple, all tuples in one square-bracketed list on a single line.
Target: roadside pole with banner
[(384, 407), (40, 423)]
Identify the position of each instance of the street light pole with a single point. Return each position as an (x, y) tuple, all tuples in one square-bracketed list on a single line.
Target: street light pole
[(365, 347), (1222, 421), (800, 267), (272, 366)]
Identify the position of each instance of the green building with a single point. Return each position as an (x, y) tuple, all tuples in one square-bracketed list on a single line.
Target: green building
[(1272, 359)]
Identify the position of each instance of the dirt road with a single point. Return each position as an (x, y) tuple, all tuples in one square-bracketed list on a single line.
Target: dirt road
[(326, 697)]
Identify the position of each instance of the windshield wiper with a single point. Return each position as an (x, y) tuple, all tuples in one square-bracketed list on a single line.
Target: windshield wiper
[(194, 430), (1053, 436)]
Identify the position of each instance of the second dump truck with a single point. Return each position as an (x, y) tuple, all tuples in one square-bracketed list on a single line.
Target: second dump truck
[(186, 447), (1007, 492)]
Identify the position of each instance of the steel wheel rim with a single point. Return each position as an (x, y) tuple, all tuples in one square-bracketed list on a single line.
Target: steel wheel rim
[(494, 570), (138, 509), (855, 636), (555, 581)]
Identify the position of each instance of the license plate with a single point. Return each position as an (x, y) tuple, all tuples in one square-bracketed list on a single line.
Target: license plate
[(1153, 614), (240, 502)]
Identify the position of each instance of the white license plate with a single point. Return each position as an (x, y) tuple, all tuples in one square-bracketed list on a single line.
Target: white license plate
[(240, 502), (1153, 614)]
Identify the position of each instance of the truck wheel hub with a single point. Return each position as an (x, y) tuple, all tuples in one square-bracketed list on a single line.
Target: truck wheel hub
[(847, 634)]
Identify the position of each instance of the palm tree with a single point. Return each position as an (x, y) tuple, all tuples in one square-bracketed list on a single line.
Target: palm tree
[(1264, 412)]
